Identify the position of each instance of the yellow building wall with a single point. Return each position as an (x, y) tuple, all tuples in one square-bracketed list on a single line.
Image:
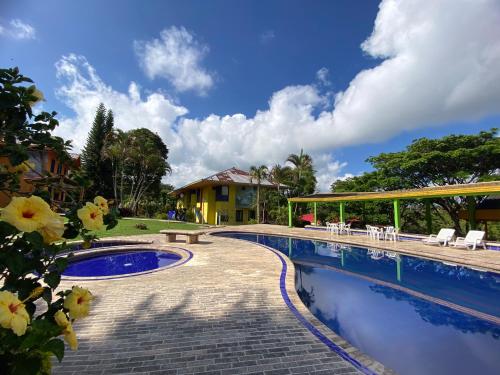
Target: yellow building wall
[(209, 208)]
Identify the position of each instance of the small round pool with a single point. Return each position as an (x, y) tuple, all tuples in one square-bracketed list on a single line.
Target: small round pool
[(120, 263)]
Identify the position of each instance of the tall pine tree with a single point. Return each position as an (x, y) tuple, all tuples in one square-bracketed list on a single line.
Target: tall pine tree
[(94, 165)]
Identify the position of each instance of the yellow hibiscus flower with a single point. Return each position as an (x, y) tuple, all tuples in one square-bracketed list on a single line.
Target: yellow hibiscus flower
[(13, 314), (91, 216), (102, 204), (27, 214), (78, 302), (68, 332), (53, 230)]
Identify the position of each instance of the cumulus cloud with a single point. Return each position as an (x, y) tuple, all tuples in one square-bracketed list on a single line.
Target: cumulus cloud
[(176, 56), (439, 64), (322, 76), (82, 90), (18, 29)]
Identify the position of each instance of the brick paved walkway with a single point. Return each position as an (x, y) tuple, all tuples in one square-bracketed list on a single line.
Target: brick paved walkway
[(220, 313)]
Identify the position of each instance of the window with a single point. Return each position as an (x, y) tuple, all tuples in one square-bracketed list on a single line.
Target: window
[(222, 193), (59, 168), (251, 215), (239, 216), (52, 165)]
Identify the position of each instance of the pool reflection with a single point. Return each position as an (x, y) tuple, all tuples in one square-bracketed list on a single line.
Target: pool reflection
[(371, 298)]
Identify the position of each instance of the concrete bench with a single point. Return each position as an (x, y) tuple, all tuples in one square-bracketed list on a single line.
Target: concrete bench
[(191, 235)]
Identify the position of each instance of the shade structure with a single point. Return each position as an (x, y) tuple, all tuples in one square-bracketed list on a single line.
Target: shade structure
[(465, 190)]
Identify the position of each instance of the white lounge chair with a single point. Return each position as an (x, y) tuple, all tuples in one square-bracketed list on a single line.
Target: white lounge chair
[(443, 238), (474, 238)]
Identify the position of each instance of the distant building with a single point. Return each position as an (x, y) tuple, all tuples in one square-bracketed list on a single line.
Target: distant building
[(43, 162), (227, 197)]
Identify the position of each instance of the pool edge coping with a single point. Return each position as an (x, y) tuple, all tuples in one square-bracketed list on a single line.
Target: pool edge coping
[(185, 254)]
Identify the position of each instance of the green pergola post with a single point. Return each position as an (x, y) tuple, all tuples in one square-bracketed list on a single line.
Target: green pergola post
[(428, 216), (315, 211), (471, 208), (397, 214), (290, 247), (289, 214), (342, 211), (342, 260)]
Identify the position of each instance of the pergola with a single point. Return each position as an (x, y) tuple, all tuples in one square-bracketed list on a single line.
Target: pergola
[(426, 194)]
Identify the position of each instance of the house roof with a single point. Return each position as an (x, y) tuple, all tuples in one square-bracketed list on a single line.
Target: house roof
[(480, 188), (231, 176)]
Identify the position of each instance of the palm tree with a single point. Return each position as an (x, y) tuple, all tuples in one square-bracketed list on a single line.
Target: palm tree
[(258, 174), (304, 179), (280, 175), (302, 163)]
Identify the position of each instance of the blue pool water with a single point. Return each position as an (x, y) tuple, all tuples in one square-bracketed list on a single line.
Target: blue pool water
[(397, 308), (120, 263)]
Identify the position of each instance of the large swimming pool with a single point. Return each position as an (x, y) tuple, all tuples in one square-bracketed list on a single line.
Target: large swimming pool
[(415, 316)]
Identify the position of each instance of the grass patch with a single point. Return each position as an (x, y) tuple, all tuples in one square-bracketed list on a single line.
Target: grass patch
[(128, 227)]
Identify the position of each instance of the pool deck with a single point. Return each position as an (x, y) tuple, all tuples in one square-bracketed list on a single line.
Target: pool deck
[(486, 260), (222, 312)]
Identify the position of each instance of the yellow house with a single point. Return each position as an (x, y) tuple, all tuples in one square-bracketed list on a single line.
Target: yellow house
[(227, 197)]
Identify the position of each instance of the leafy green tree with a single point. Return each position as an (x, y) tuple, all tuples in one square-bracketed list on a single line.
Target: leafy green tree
[(116, 151), (146, 164), (453, 159), (95, 167), (280, 175), (258, 174), (303, 176)]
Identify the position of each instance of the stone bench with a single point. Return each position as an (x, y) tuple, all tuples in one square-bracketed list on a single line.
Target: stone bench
[(191, 235)]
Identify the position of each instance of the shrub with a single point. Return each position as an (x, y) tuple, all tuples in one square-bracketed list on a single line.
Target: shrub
[(161, 216), (31, 240), (141, 226), (126, 212), (190, 216)]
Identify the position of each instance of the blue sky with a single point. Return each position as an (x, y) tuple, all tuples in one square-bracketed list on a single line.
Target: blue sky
[(243, 57)]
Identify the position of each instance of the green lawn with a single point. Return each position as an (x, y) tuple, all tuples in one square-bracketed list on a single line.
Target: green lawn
[(126, 227)]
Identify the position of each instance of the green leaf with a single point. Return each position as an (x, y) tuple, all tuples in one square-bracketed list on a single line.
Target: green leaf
[(52, 279), (61, 263), (56, 347), (70, 232), (15, 262), (27, 366), (34, 238), (6, 229)]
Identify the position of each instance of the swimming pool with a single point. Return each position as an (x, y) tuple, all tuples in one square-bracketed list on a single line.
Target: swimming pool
[(413, 315), (120, 263)]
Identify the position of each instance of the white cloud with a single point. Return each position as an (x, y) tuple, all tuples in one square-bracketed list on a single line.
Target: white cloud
[(441, 65), (176, 56), (82, 90), (322, 76), (17, 29), (267, 36)]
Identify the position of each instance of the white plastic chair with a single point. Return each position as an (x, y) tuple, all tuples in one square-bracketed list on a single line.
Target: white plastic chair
[(345, 228), (473, 239), (369, 231), (443, 238), (391, 233), (376, 233)]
